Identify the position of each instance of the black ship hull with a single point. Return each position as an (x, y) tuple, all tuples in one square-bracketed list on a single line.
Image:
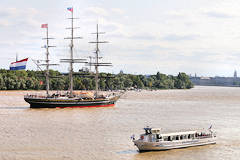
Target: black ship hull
[(63, 103)]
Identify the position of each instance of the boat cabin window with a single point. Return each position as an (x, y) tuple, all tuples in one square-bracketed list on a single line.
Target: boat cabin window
[(181, 137), (169, 138), (158, 136), (174, 138), (165, 138), (190, 136), (148, 131), (177, 137), (196, 134)]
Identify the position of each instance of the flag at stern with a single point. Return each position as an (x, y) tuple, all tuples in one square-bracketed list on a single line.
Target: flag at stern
[(19, 65)]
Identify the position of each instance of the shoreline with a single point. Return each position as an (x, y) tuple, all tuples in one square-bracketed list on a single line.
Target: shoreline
[(137, 90)]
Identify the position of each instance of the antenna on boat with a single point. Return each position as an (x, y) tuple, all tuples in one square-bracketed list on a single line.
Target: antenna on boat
[(16, 57), (97, 64), (71, 60), (47, 64)]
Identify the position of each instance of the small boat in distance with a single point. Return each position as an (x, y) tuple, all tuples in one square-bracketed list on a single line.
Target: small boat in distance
[(154, 140)]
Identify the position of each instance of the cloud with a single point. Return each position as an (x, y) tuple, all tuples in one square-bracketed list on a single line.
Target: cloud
[(174, 37), (15, 12), (143, 36), (7, 12), (13, 17), (117, 11), (19, 32), (134, 36), (159, 34), (215, 14), (221, 10), (4, 44), (96, 11), (176, 13), (4, 23)]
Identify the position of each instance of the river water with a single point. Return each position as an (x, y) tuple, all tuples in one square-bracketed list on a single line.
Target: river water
[(104, 133)]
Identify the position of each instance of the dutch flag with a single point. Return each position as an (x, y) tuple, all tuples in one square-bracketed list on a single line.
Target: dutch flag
[(70, 9), (19, 65)]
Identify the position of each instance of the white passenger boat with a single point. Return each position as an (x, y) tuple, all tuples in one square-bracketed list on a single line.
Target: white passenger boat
[(154, 140)]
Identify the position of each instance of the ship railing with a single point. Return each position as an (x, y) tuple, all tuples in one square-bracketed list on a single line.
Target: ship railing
[(204, 136), (56, 96), (66, 94), (35, 96)]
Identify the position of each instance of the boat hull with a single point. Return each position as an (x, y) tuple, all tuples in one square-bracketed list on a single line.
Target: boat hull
[(160, 146), (63, 103)]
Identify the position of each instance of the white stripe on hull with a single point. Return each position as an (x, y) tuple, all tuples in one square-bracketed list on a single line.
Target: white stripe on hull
[(159, 146)]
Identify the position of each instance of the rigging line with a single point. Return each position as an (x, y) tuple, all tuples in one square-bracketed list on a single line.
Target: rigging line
[(36, 64)]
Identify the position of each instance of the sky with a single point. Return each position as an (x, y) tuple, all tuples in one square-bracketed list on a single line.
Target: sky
[(191, 36)]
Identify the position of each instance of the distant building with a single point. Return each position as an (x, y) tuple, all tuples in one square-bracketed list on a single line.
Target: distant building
[(235, 74), (205, 78), (216, 81), (121, 72)]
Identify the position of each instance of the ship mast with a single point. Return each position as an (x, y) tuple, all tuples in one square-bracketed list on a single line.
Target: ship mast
[(47, 64), (71, 60), (97, 64)]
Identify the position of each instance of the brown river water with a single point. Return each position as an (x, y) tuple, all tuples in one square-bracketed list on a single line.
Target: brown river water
[(104, 133)]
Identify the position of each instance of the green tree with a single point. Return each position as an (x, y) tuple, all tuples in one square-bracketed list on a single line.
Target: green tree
[(128, 83), (31, 80), (2, 83), (78, 85), (29, 83), (102, 84), (183, 81)]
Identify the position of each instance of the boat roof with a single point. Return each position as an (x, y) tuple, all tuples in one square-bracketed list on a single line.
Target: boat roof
[(153, 129), (178, 133), (169, 133)]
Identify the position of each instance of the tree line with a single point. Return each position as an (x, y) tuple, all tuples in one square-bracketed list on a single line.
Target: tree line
[(35, 80)]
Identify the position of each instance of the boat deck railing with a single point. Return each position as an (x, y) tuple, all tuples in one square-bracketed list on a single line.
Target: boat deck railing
[(56, 96), (202, 137), (66, 95), (42, 96)]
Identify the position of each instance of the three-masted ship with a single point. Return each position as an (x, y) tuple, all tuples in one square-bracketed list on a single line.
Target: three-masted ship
[(71, 98)]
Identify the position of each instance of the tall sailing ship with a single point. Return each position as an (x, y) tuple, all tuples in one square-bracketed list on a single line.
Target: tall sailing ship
[(71, 98)]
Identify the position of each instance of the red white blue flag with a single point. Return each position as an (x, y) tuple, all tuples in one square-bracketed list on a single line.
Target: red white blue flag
[(70, 9), (19, 65)]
